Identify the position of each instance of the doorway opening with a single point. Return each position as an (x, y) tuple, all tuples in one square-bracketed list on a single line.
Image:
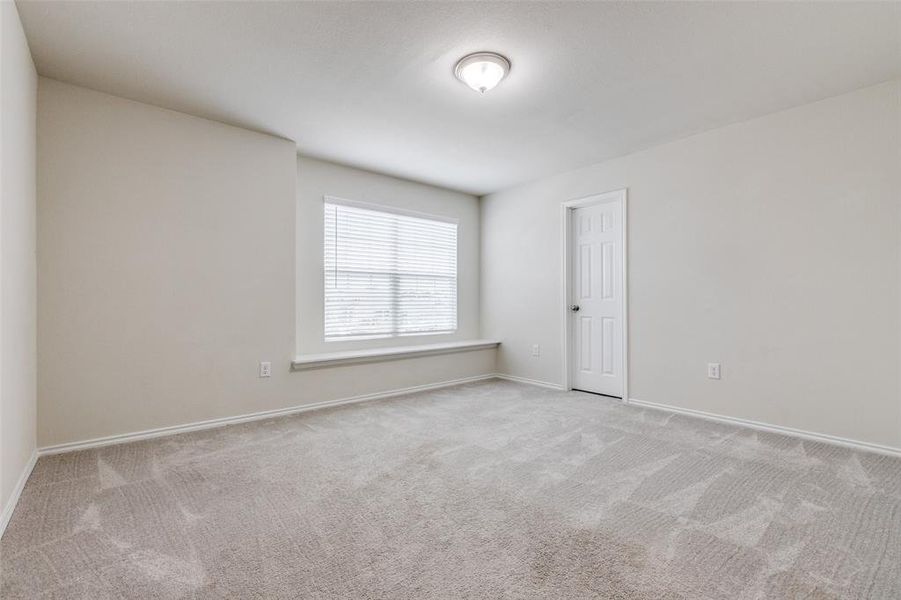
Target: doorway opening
[(595, 295)]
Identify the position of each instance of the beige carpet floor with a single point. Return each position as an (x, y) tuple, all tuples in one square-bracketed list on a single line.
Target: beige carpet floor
[(488, 490)]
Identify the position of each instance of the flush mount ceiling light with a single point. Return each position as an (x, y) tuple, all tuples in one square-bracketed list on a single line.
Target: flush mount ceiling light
[(482, 70)]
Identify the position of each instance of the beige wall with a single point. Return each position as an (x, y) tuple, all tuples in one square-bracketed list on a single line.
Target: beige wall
[(18, 88), (167, 269), (771, 246), (316, 179), (166, 253)]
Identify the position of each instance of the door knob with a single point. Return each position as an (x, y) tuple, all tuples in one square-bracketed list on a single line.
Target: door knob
[(574, 308)]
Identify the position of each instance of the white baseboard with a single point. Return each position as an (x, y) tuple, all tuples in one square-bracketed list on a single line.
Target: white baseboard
[(13, 499), (213, 423), (266, 414), (800, 433), (544, 384)]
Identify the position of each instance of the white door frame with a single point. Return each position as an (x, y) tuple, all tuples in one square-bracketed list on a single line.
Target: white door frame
[(566, 209)]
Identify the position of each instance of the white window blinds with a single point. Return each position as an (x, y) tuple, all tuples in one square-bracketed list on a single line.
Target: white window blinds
[(388, 274)]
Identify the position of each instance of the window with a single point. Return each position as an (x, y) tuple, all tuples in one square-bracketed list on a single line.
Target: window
[(388, 274)]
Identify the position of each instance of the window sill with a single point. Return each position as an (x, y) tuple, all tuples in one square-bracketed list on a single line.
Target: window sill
[(353, 357)]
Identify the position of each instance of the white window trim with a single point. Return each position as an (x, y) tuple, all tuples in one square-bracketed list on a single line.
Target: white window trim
[(330, 199)]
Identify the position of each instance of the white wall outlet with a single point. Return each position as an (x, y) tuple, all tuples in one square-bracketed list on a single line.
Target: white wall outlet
[(713, 370), (536, 350), (265, 369)]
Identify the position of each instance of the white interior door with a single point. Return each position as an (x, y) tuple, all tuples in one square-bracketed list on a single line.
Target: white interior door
[(596, 323)]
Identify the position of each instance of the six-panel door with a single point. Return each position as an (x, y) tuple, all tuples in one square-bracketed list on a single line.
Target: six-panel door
[(597, 279)]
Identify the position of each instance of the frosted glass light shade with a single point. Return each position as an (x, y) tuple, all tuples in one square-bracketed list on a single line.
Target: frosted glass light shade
[(482, 71)]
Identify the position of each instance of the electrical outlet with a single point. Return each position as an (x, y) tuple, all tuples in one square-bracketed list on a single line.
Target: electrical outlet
[(713, 370), (536, 350), (265, 369)]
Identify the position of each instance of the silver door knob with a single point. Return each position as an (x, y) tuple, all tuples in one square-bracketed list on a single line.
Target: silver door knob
[(574, 308)]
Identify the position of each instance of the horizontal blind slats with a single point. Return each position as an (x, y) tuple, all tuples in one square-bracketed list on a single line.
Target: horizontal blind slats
[(388, 274)]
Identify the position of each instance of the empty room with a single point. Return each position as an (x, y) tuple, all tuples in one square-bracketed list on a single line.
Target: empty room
[(450, 300)]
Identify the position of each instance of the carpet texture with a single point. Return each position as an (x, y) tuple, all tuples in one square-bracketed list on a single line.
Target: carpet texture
[(487, 490)]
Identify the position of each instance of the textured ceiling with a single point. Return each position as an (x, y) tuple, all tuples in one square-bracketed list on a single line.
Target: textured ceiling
[(371, 84)]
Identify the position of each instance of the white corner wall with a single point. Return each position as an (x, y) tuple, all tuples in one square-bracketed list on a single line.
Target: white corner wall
[(166, 261), (18, 89), (771, 246)]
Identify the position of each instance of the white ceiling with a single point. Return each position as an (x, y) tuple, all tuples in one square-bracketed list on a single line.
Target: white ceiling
[(371, 84)]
